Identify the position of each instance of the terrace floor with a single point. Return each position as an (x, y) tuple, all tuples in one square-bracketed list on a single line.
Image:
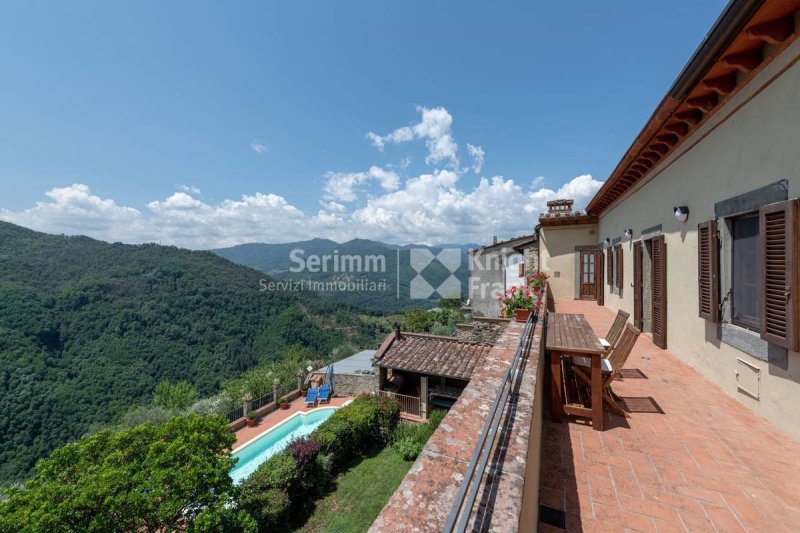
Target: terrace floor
[(268, 422), (706, 463)]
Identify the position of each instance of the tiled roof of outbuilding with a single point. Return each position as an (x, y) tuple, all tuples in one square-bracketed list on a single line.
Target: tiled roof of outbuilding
[(431, 354)]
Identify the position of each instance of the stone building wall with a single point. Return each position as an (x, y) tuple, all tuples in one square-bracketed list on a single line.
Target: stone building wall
[(354, 384)]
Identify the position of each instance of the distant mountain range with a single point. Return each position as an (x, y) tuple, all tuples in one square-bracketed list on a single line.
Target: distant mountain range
[(362, 273)]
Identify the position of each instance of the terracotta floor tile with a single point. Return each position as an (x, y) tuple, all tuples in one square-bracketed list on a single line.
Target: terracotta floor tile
[(717, 467)]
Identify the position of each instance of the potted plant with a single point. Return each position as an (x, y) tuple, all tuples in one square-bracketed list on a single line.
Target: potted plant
[(251, 419), (518, 302), (283, 403), (537, 280)]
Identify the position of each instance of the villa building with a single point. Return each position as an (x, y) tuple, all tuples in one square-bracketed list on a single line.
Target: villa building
[(694, 236), (695, 232)]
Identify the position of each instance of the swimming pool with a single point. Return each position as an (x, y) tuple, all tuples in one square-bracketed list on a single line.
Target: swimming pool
[(258, 450)]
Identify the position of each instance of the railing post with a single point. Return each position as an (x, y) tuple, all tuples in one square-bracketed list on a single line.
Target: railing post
[(423, 397)]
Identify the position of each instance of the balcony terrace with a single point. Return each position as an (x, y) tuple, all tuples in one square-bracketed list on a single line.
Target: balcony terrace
[(689, 458)]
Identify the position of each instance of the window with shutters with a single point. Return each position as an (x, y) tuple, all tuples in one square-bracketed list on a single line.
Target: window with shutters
[(779, 255), (708, 270), (618, 270), (745, 281)]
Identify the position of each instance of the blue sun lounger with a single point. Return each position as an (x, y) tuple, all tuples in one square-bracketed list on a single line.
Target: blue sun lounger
[(325, 393), (311, 397)]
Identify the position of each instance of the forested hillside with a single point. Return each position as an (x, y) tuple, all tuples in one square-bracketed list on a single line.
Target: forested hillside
[(88, 329), (278, 260)]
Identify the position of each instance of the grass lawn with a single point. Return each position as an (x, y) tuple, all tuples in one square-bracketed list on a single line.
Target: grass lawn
[(360, 494)]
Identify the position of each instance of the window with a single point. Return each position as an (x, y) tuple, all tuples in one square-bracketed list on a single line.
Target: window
[(745, 283)]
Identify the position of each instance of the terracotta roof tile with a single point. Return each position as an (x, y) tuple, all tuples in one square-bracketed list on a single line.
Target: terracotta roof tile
[(431, 354)]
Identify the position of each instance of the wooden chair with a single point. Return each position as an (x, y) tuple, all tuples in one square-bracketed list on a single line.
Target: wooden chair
[(616, 329), (610, 367)]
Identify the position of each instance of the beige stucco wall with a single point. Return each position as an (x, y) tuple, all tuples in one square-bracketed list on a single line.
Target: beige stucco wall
[(558, 257), (757, 145)]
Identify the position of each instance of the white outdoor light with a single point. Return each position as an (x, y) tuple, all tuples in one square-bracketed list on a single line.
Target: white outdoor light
[(310, 368), (607, 241), (681, 212), (628, 233)]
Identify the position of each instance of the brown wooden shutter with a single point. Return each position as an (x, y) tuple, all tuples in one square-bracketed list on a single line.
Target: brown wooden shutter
[(658, 293), (708, 270), (522, 270), (779, 256), (618, 253), (637, 285), (609, 266), (599, 289)]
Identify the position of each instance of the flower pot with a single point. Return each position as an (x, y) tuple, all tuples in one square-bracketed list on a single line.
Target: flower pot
[(522, 314), (284, 405), (251, 422)]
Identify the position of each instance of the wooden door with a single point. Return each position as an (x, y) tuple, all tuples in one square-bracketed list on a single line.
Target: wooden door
[(588, 282), (599, 290), (659, 292), (638, 318)]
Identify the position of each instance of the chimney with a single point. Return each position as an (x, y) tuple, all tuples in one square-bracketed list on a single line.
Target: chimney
[(397, 331), (494, 239)]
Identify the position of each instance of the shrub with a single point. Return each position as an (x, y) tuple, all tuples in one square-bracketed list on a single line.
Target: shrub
[(264, 494), (269, 507), (388, 416), (408, 447), (279, 471), (367, 421), (336, 439), (304, 451), (409, 439)]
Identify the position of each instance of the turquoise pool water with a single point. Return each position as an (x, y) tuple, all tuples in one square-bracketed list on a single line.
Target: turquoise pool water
[(275, 440)]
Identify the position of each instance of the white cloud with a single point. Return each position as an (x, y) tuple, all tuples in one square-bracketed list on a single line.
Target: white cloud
[(477, 154), (343, 185), (189, 188), (258, 146), (431, 207), (426, 208), (434, 127)]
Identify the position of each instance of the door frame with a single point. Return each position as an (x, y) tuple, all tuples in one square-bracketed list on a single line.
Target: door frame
[(592, 252)]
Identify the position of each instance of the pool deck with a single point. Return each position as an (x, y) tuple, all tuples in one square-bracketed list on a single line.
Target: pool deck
[(247, 434)]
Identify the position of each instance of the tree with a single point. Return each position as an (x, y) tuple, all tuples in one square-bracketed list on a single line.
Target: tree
[(174, 396), (146, 478)]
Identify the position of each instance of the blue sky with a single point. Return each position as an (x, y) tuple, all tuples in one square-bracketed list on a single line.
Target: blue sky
[(207, 124)]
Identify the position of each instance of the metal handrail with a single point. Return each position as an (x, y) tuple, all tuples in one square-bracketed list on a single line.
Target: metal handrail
[(468, 491)]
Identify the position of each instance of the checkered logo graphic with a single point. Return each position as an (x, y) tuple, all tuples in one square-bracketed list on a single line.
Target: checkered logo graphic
[(421, 258)]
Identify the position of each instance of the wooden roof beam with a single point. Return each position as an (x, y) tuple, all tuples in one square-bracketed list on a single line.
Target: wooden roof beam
[(722, 85), (645, 162), (691, 116), (774, 32), (678, 128), (640, 168), (745, 61), (661, 148), (652, 156), (704, 103), (669, 139)]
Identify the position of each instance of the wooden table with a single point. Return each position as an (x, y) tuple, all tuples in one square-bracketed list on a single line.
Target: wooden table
[(569, 335)]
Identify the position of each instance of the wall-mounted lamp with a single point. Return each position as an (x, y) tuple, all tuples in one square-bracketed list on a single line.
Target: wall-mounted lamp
[(628, 233), (607, 241), (681, 212)]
